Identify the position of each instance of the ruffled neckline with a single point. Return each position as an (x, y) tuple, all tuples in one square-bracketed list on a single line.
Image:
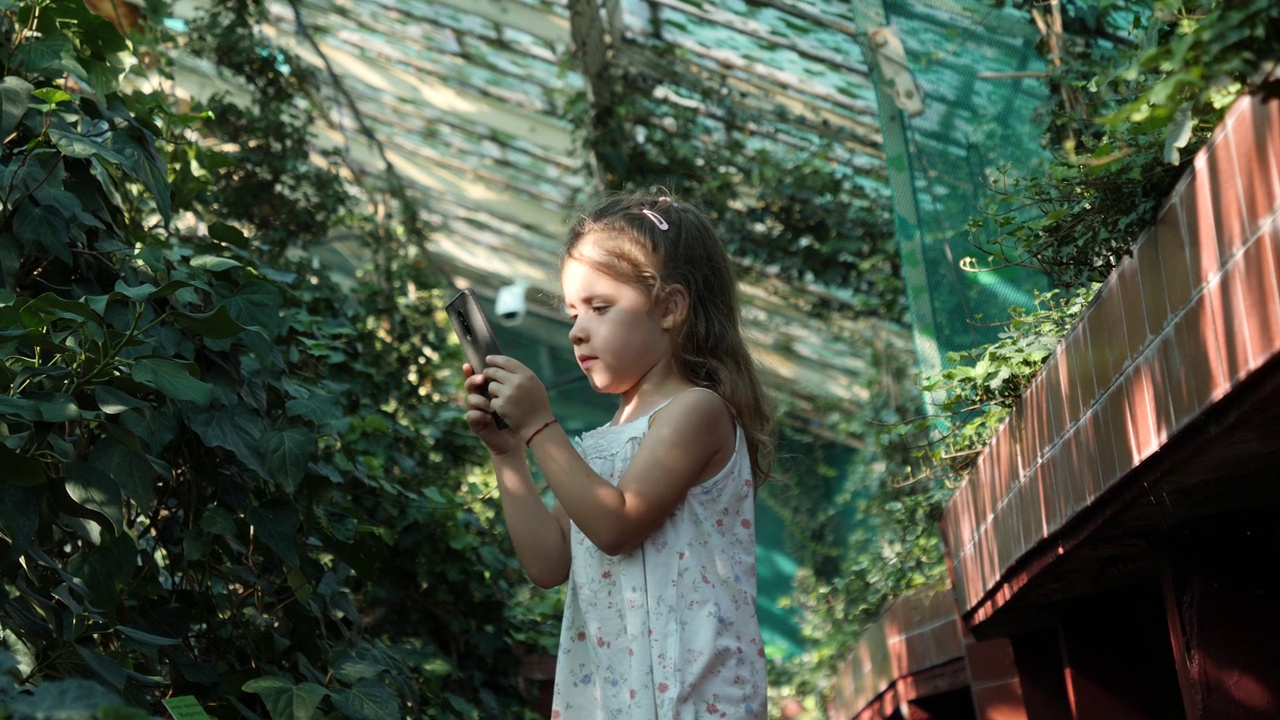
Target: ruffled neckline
[(610, 429), (605, 431)]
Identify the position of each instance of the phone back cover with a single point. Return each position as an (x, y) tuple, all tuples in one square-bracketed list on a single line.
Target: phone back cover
[(472, 328)]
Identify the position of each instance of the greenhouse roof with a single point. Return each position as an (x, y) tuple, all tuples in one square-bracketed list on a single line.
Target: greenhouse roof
[(466, 100)]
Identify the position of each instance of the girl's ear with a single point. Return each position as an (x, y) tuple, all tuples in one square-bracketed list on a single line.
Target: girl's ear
[(674, 306)]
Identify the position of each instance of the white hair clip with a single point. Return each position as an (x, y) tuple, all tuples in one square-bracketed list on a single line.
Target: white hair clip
[(657, 219)]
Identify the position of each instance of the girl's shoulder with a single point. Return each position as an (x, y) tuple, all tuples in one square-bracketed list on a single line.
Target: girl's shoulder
[(695, 409), (693, 406), (695, 415)]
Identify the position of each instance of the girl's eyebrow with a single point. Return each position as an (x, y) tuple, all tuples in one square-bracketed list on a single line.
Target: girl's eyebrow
[(585, 300)]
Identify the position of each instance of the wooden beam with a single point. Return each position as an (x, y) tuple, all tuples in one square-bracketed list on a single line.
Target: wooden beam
[(811, 14), (731, 61), (377, 24), (813, 117), (494, 171), (546, 26), (809, 118), (554, 135), (460, 185), (999, 25), (448, 65), (397, 121), (750, 29)]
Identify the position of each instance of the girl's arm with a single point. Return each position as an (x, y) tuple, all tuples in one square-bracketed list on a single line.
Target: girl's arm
[(540, 536), (688, 441)]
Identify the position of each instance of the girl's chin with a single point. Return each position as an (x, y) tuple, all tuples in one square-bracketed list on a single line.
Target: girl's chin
[(602, 387)]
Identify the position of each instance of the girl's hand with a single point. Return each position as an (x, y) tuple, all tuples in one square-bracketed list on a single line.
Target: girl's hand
[(517, 395), (480, 419)]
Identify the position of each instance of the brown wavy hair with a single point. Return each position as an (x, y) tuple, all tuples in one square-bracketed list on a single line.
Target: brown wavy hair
[(710, 349)]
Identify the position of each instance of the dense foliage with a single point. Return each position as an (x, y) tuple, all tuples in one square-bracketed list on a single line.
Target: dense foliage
[(227, 472)]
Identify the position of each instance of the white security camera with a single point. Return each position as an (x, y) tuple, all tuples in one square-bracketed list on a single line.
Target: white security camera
[(509, 304)]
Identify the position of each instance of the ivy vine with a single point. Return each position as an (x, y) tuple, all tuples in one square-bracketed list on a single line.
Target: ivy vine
[(225, 475)]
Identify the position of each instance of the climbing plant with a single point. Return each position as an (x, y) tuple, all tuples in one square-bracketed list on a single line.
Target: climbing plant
[(1140, 87), (229, 472)]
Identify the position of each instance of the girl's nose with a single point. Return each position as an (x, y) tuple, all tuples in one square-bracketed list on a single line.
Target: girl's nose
[(577, 335)]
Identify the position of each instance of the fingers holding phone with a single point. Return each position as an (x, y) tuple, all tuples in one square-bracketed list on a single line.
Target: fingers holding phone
[(516, 393), (481, 418)]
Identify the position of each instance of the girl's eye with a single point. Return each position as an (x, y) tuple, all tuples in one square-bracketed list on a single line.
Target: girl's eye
[(599, 309)]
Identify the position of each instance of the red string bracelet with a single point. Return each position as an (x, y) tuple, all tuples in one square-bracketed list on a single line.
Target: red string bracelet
[(545, 425)]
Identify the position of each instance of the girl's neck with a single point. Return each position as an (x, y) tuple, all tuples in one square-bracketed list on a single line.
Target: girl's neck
[(657, 386)]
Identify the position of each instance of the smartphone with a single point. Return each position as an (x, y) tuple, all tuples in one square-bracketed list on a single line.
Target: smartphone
[(473, 331)]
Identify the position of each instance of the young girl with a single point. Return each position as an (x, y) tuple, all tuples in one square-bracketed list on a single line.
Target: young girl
[(654, 524)]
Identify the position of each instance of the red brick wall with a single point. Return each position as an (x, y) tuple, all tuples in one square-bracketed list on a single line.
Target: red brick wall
[(1176, 327)]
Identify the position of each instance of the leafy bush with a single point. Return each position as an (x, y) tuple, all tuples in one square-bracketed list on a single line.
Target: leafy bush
[(1140, 87), (225, 474)]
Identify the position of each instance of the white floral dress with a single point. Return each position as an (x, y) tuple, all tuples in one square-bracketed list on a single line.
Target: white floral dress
[(668, 631)]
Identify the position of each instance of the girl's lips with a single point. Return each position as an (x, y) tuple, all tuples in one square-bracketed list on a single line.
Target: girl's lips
[(585, 360)]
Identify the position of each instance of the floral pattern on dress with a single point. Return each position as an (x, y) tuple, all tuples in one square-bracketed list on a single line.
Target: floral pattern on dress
[(668, 631)]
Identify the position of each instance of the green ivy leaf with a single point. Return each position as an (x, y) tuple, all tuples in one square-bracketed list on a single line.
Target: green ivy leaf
[(113, 402), (286, 701), (75, 145), (92, 488), (132, 471), (104, 667), (53, 95), (368, 699), (319, 409), (15, 94), (147, 166), (19, 517), (235, 429), (276, 523), (63, 699), (218, 521), (53, 306), (213, 263), (229, 234), (358, 663), (147, 638), (217, 324), (50, 56), (19, 469), (43, 226), (287, 453), (257, 303), (137, 293), (42, 406), (173, 379)]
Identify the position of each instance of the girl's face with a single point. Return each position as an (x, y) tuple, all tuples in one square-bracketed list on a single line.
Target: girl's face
[(618, 336)]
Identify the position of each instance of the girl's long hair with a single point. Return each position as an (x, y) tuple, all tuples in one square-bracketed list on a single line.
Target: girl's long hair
[(710, 349)]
